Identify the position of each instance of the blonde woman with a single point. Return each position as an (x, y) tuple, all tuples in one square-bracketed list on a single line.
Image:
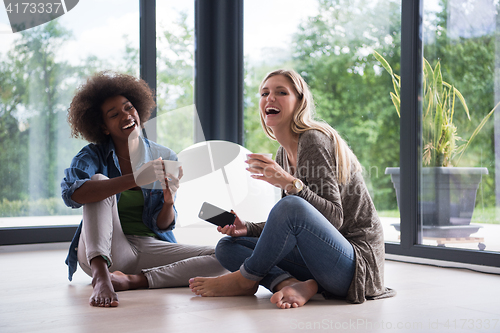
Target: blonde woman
[(324, 235)]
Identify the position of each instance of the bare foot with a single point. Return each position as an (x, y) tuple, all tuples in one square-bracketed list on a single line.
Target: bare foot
[(123, 281), (295, 295), (103, 294), (232, 284)]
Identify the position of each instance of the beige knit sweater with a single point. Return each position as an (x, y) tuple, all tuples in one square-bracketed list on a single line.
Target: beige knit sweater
[(349, 208)]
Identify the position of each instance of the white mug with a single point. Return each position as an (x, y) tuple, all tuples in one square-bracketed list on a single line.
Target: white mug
[(261, 154), (172, 167)]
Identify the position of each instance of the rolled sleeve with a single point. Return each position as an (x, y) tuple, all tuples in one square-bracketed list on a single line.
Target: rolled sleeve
[(170, 227), (163, 234), (154, 204), (83, 166), (67, 193)]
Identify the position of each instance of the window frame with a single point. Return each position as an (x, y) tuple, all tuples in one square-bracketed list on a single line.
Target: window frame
[(219, 68), (410, 147), (217, 113), (147, 62)]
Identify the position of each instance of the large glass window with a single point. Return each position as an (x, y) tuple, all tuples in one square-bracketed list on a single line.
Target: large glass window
[(175, 74), (460, 151), (331, 44), (40, 69)]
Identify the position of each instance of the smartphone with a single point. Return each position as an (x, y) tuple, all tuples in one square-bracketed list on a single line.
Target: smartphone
[(216, 215)]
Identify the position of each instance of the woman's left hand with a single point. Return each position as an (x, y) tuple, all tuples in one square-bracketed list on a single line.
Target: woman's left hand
[(173, 186), (266, 169), (169, 185)]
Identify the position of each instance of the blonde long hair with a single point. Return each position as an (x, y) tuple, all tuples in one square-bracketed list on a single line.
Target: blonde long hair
[(303, 120)]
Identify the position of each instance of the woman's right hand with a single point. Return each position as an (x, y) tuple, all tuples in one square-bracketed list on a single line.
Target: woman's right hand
[(237, 229), (149, 173)]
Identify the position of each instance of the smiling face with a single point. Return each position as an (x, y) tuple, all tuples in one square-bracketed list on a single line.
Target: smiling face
[(120, 118), (278, 101)]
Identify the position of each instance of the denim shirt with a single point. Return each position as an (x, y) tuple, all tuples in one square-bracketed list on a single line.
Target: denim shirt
[(102, 158)]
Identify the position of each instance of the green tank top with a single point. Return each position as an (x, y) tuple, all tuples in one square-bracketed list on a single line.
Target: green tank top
[(130, 207)]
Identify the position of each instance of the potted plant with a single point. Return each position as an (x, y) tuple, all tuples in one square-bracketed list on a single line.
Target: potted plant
[(448, 193)]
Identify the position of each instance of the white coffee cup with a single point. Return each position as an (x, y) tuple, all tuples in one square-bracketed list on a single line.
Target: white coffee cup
[(172, 167), (261, 154)]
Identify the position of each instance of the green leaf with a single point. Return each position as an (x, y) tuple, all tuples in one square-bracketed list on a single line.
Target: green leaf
[(397, 85), (438, 81), (384, 62), (396, 81), (438, 124), (462, 99), (428, 72), (397, 103), (477, 130)]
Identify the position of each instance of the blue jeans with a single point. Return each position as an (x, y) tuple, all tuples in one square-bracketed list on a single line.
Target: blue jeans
[(297, 241)]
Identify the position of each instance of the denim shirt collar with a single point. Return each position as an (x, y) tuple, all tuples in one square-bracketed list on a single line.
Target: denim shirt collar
[(110, 150), (143, 156)]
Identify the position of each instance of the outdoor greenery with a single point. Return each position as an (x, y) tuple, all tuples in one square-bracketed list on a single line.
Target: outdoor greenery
[(333, 51), (481, 215), (35, 92), (440, 135), (40, 207)]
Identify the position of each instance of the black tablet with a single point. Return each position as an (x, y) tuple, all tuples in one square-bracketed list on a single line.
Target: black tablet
[(216, 215)]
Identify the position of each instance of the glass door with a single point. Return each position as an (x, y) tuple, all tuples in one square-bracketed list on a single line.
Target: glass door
[(40, 69), (459, 182)]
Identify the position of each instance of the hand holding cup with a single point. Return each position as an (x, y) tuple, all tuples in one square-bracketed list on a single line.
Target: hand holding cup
[(258, 162), (173, 174)]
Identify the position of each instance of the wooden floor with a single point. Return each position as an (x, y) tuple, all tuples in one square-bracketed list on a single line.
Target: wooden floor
[(35, 296)]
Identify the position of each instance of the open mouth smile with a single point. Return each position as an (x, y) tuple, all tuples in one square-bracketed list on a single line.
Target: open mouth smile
[(272, 110), (129, 125)]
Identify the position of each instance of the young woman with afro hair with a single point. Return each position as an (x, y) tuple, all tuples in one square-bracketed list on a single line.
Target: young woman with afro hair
[(125, 240)]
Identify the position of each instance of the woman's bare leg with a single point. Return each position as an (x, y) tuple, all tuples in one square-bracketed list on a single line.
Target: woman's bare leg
[(123, 281), (103, 294), (102, 235), (292, 293), (232, 284)]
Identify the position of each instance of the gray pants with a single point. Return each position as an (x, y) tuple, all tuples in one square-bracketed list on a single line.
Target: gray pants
[(164, 264)]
